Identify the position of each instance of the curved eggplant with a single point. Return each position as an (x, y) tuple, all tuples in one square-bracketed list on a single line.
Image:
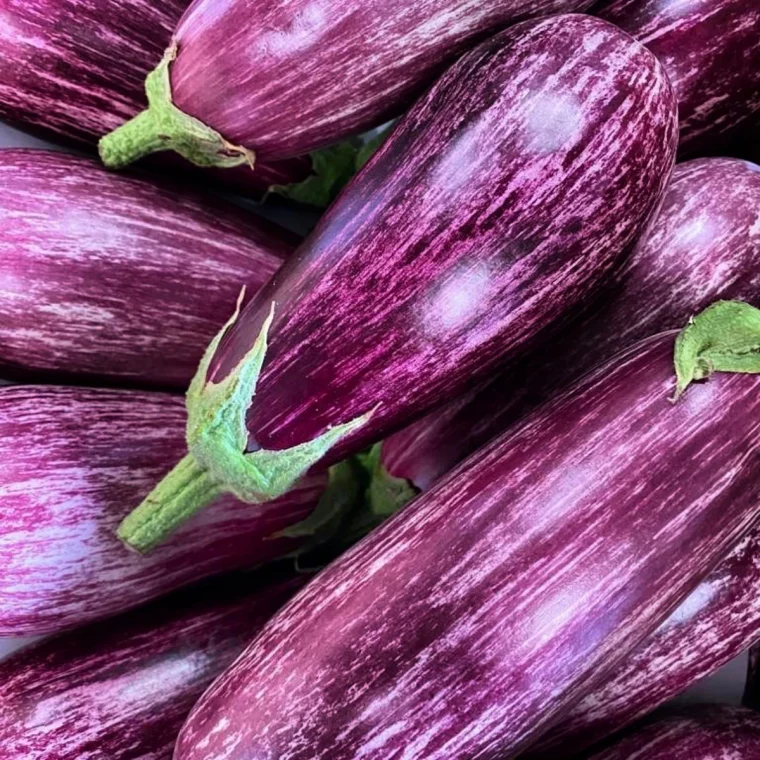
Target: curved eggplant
[(479, 224), (73, 459), (466, 625), (117, 279)]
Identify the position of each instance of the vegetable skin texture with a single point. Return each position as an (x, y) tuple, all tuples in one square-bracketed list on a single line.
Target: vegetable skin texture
[(717, 622), (73, 460), (281, 79), (118, 279), (516, 237), (704, 732), (702, 244), (465, 625), (75, 69), (120, 689), (711, 51)]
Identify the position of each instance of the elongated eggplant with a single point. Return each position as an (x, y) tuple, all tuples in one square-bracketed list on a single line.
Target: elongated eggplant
[(73, 459), (467, 623), (115, 278), (75, 69), (248, 81), (121, 689), (716, 623), (703, 732), (477, 223), (711, 51), (703, 245)]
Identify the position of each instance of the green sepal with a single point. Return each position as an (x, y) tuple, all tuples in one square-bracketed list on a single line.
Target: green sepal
[(725, 337), (163, 126), (217, 438)]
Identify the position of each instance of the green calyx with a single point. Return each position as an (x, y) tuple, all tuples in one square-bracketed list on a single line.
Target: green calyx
[(217, 461), (163, 126), (725, 337)]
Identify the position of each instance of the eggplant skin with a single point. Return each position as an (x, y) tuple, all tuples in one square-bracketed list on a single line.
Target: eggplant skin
[(711, 51), (718, 621), (286, 77), (120, 689), (118, 279), (704, 732), (464, 626), (472, 230), (702, 245), (74, 461)]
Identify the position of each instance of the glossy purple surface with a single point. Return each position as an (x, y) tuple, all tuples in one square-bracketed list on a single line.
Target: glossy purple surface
[(474, 228), (75, 69), (74, 461), (711, 51), (707, 732), (117, 278), (284, 77), (122, 688), (717, 622), (702, 245), (466, 624)]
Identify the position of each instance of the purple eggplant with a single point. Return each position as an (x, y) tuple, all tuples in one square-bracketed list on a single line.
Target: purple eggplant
[(703, 244), (121, 689), (73, 459), (75, 69), (478, 224), (248, 81), (466, 624), (114, 278), (704, 732), (711, 51), (716, 623)]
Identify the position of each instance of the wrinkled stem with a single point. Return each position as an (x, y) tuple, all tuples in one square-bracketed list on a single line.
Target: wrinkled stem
[(137, 138), (182, 493)]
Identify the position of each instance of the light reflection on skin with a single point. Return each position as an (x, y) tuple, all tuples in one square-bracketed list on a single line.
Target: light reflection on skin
[(551, 121), (467, 154), (305, 30), (457, 301), (678, 7)]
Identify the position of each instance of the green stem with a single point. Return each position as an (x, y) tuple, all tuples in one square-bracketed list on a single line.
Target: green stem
[(187, 489), (163, 126)]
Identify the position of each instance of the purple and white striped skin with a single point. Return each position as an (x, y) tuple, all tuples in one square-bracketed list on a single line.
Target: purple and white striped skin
[(73, 460), (717, 622), (75, 69), (703, 732), (702, 245), (466, 624), (121, 689), (477, 225), (115, 278), (711, 51), (284, 77)]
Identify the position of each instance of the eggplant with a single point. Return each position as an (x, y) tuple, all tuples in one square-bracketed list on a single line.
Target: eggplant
[(117, 279), (711, 51), (247, 81), (73, 460), (704, 732), (478, 224), (75, 69), (703, 244), (717, 622), (466, 625), (121, 689)]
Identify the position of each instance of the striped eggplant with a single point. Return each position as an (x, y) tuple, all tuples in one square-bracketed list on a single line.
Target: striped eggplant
[(467, 623), (121, 689), (480, 226), (717, 622), (711, 51), (115, 278), (703, 732), (246, 81), (73, 459), (75, 69), (703, 244)]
